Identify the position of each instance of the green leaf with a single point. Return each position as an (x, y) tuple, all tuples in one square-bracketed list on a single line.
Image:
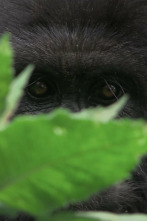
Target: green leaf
[(6, 71), (112, 217), (15, 93), (48, 161), (102, 114), (64, 217), (16, 88)]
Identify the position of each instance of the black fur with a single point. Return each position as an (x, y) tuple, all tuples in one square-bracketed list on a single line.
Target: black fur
[(75, 44)]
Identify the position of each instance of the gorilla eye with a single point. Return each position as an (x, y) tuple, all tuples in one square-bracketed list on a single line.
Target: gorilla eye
[(109, 91), (105, 93), (40, 89)]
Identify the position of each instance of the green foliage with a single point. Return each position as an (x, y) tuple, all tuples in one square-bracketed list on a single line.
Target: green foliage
[(6, 70), (47, 161), (112, 217), (62, 159), (102, 114), (14, 96)]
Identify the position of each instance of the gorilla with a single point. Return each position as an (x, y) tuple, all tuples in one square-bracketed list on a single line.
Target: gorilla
[(86, 53)]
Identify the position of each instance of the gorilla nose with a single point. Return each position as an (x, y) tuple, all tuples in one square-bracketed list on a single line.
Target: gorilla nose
[(72, 107), (70, 104)]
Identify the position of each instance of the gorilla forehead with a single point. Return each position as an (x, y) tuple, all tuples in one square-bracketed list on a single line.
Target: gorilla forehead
[(83, 49), (116, 14), (86, 34), (79, 12)]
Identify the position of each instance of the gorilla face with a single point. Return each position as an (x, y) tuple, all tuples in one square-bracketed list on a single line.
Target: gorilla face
[(86, 54)]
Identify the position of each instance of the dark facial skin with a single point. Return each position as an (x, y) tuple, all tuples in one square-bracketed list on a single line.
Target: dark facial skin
[(86, 53)]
